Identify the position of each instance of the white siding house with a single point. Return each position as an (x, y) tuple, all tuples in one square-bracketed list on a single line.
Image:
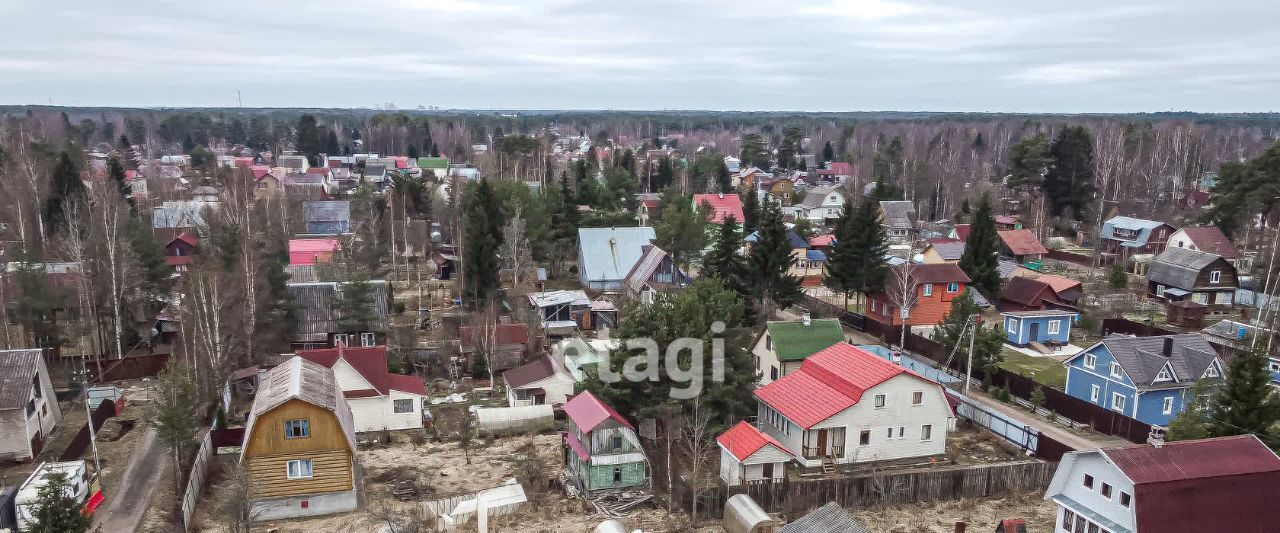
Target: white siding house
[(749, 456), (378, 399), (28, 408), (542, 381), (846, 405)]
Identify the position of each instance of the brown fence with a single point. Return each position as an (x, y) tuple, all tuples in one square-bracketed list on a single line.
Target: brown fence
[(227, 437), (75, 450), (795, 498), (1049, 449), (141, 366), (1129, 327), (1069, 257)]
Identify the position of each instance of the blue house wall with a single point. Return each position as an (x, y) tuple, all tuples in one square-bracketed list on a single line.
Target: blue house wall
[(1151, 405), (1146, 406), (1273, 364), (1017, 330)]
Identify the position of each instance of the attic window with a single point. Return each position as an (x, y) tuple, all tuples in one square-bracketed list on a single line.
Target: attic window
[(1215, 276), (1212, 372), (1163, 375)]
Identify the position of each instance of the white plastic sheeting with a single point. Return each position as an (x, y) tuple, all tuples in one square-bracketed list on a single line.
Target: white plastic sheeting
[(510, 420)]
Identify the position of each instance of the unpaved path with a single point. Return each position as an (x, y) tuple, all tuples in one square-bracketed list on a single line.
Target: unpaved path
[(124, 505)]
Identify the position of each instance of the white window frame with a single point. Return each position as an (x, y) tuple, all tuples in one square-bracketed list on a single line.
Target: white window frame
[(926, 432), (289, 469), (1011, 325), (1055, 327), (1123, 496), (1105, 490), (917, 398), (395, 406), (1095, 392), (1215, 276), (1115, 370), (953, 287), (1087, 481), (344, 338), (1167, 406), (1090, 361), (1118, 401), (368, 340), (1212, 372), (927, 290)]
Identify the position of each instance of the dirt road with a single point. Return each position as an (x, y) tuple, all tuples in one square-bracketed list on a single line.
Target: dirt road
[(125, 503)]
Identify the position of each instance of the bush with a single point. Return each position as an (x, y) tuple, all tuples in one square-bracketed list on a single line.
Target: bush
[(397, 308), (1119, 279)]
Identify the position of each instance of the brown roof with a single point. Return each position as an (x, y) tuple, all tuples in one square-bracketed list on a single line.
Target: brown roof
[(538, 369), (1022, 242), (1211, 239), (1026, 291), (939, 273)]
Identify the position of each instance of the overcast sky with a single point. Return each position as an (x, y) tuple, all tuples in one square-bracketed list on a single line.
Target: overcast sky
[(838, 55)]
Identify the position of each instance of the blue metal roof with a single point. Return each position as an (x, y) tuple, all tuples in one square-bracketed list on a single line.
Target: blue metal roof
[(815, 255), (1142, 226), (607, 254)]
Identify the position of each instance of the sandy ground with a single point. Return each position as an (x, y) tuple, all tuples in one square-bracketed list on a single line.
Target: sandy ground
[(980, 515)]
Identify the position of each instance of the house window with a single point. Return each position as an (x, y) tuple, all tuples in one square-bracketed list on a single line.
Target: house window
[(768, 340), (368, 339), (864, 438), (35, 384), (888, 433), (297, 429), (926, 432), (1012, 326), (617, 474), (1094, 390), (1215, 276), (1159, 290), (1212, 372), (1200, 298), (1088, 481), (902, 431), (1115, 370), (298, 469), (1163, 375), (1068, 520), (1125, 499), (1117, 401), (1106, 491), (773, 373), (927, 289), (874, 306), (953, 287), (1273, 366), (342, 338), (402, 406), (617, 442), (1090, 361), (1055, 326), (879, 401), (1167, 407), (31, 408), (917, 397)]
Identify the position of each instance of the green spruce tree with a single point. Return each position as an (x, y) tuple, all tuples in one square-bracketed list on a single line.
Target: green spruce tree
[(980, 260), (871, 241), (56, 510), (1246, 403), (65, 189), (1193, 422), (845, 256), (750, 210), (724, 261), (772, 284), (483, 237)]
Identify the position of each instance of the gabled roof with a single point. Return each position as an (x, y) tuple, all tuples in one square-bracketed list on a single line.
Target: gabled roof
[(1179, 267), (949, 251), (300, 379), (827, 383), (371, 363), (315, 312), (962, 232), (818, 241), (830, 518), (308, 251), (185, 237), (722, 205), (18, 369), (643, 271), (1021, 242), (898, 214), (1211, 239), (1026, 291), (504, 334), (328, 210), (1142, 358), (937, 273), (815, 196), (1059, 284), (533, 371), (607, 254), (1221, 484), (743, 440), (588, 412), (1007, 219), (794, 341), (1142, 226)]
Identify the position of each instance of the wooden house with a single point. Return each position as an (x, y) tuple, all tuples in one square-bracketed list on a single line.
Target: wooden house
[(1184, 274), (935, 287), (181, 250), (29, 410), (321, 325), (602, 451), (379, 399), (300, 443)]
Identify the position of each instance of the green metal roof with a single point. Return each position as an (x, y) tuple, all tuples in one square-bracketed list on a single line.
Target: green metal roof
[(433, 162), (794, 341)]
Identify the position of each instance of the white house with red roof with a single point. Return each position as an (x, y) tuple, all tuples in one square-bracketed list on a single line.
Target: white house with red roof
[(847, 405), (379, 399), (749, 456), (602, 451), (1222, 484)]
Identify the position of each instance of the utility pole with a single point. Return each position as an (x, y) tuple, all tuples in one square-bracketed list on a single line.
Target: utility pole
[(93, 434), (972, 324)]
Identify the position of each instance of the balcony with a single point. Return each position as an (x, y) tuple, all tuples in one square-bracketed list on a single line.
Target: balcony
[(832, 452)]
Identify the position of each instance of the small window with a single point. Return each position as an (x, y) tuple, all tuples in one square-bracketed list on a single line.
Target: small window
[(1117, 401), (768, 341), (1273, 366), (917, 398), (1090, 361), (1094, 391), (1167, 406), (1212, 372), (927, 290), (342, 338), (617, 474), (1125, 499), (1115, 370), (864, 437), (1164, 375), (35, 384), (1068, 520), (888, 433), (926, 432), (1055, 327), (31, 408), (773, 373), (1093, 528), (368, 339), (1088, 481), (953, 287), (402, 406), (875, 306), (1106, 491), (617, 442), (1012, 326), (879, 401), (298, 469), (297, 429), (1215, 276)]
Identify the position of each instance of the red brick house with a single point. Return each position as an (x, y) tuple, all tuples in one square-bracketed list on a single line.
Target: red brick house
[(935, 287)]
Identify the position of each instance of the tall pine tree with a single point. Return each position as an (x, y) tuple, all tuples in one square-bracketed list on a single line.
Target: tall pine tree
[(750, 210), (724, 262), (483, 236), (845, 256), (1246, 403), (871, 241), (981, 251), (1069, 182), (772, 284), (65, 189)]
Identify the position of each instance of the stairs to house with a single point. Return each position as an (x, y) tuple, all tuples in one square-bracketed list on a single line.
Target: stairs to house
[(828, 465)]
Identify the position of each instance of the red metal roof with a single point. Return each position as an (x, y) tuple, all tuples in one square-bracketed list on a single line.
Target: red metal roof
[(828, 382), (841, 169), (823, 240), (187, 238), (504, 334), (1022, 242), (587, 412), (1221, 484), (371, 363), (744, 439), (259, 171), (1211, 239), (307, 251), (576, 446), (722, 205), (962, 232)]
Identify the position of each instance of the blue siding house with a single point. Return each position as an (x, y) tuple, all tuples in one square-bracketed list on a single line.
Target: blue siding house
[(1048, 326), (1232, 337), (1147, 378)]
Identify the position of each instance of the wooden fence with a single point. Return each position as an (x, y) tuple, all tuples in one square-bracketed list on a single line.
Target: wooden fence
[(1129, 327), (795, 498), (80, 443), (195, 481), (1069, 257), (141, 366)]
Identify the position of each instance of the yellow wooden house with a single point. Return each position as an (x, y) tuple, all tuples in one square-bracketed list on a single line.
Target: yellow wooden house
[(300, 443)]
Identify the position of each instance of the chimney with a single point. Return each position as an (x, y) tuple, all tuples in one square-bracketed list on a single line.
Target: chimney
[(806, 319), (896, 357), (721, 195), (1168, 347), (1156, 437)]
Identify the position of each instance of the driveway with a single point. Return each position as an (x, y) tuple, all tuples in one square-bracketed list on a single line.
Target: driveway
[(124, 505), (1054, 431)]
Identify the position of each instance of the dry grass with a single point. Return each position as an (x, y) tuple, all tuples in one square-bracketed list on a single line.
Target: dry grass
[(940, 517)]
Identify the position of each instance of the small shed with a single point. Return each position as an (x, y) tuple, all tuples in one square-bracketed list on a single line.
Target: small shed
[(515, 420), (1186, 313), (1046, 326), (743, 515)]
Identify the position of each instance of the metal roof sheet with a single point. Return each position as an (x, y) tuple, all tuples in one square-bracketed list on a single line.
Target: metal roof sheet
[(743, 440), (607, 254)]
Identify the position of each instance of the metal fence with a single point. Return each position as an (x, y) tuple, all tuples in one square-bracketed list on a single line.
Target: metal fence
[(195, 482), (1021, 435), (106, 409)]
